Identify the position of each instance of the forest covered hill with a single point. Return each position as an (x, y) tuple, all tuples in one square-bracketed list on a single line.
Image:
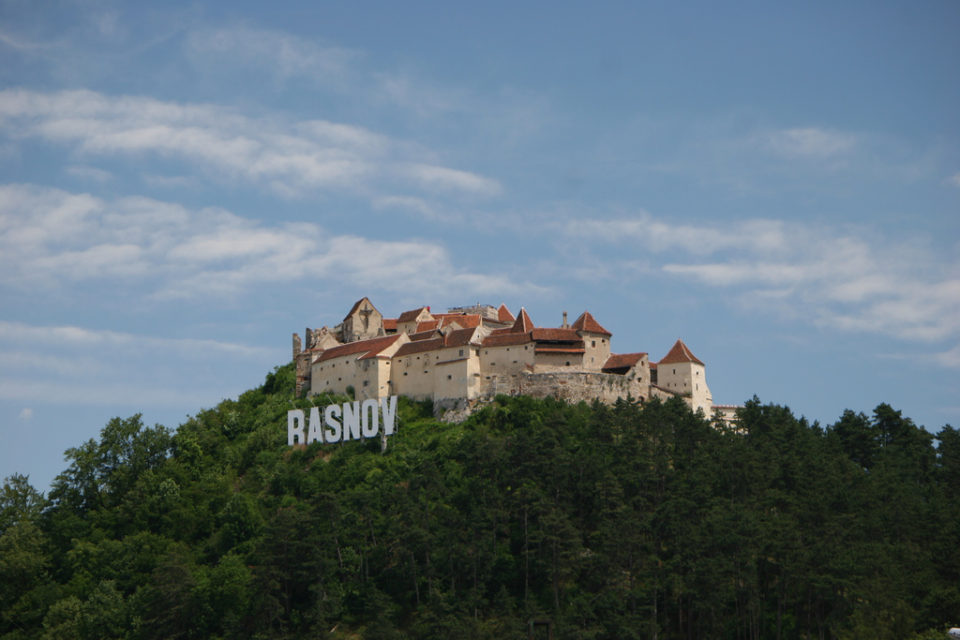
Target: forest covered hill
[(625, 521)]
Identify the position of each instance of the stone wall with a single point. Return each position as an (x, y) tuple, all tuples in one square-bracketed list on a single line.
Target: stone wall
[(569, 386)]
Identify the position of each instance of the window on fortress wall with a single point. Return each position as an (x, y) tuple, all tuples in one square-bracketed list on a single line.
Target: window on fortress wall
[(461, 353), (593, 343), (449, 377), (404, 373), (366, 383), (568, 363)]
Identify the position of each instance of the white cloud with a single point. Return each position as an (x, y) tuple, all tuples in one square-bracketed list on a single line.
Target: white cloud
[(26, 414), (949, 358), (280, 53), (954, 180), (811, 142), (291, 158), (68, 336), (50, 238), (655, 235), (435, 178), (89, 173), (844, 278)]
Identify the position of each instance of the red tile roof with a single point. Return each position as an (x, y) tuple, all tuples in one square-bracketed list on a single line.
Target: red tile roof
[(423, 335), (361, 347), (556, 335), (419, 347), (459, 337), (679, 353), (622, 361), (506, 339), (465, 320), (504, 315), (587, 323), (389, 324), (410, 316), (523, 323), (427, 325)]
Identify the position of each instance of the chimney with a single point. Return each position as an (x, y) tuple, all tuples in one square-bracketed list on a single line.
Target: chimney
[(565, 325)]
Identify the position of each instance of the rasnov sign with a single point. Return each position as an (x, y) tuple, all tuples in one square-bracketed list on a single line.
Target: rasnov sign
[(350, 421)]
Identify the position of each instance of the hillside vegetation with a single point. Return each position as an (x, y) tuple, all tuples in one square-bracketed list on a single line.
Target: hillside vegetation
[(630, 521)]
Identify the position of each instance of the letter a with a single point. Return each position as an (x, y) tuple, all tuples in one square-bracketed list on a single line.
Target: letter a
[(315, 434)]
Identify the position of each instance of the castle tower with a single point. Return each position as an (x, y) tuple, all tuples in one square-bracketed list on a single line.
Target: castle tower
[(684, 374)]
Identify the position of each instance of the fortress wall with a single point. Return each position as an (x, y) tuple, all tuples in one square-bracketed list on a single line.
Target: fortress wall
[(572, 386)]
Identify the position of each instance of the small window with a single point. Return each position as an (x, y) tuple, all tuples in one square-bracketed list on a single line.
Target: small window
[(449, 377), (568, 363), (461, 353), (593, 343), (404, 373), (366, 383)]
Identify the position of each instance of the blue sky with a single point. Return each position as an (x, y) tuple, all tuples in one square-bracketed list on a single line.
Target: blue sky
[(183, 186)]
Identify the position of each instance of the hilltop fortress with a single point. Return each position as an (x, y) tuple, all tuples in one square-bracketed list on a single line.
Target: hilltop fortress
[(468, 355)]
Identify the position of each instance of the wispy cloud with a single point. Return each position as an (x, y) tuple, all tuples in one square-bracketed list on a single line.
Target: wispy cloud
[(811, 142), (850, 279), (51, 238), (291, 158), (68, 336), (281, 53)]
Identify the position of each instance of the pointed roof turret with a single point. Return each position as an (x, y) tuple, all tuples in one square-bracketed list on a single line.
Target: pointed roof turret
[(523, 323), (680, 353), (587, 323), (504, 315)]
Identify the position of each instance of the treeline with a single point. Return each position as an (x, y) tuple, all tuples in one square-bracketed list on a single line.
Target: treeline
[(626, 521)]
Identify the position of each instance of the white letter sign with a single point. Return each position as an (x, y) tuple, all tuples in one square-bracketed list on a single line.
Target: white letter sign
[(350, 421)]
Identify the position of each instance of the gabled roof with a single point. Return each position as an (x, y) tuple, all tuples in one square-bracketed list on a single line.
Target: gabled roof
[(389, 324), (459, 337), (465, 320), (680, 353), (356, 305), (621, 361), (588, 324), (410, 316), (359, 348), (523, 323), (504, 315), (427, 325)]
